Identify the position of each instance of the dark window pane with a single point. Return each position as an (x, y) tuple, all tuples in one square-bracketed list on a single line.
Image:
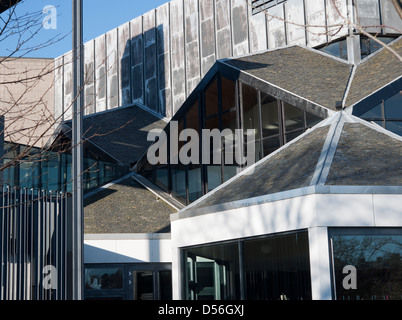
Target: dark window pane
[(194, 183), (214, 177), (143, 285), (165, 284), (312, 120), (393, 107), (394, 126), (269, 113), (250, 109), (277, 268), (270, 145), (376, 257), (103, 278), (212, 123), (192, 120), (293, 117), (228, 94), (211, 99), (229, 172), (229, 121), (290, 136), (179, 180), (162, 177), (373, 113), (337, 49), (212, 272)]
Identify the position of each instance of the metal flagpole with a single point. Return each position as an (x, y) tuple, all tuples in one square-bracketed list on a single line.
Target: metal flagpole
[(77, 152)]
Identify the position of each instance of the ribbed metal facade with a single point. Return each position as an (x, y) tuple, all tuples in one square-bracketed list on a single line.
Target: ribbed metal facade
[(35, 245)]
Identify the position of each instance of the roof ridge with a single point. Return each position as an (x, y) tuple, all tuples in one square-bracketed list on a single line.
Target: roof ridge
[(328, 150)]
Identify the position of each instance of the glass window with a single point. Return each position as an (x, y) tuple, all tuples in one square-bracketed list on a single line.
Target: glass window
[(367, 263), (375, 112), (393, 107), (179, 180), (312, 120), (212, 272), (214, 177), (269, 114), (228, 94), (270, 268), (394, 126), (192, 120), (277, 268), (143, 285), (194, 183), (337, 49), (293, 117), (162, 176), (211, 99), (290, 136), (103, 278), (270, 145), (251, 112)]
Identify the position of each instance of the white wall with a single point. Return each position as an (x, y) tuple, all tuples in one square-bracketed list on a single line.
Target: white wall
[(312, 212), (127, 248)]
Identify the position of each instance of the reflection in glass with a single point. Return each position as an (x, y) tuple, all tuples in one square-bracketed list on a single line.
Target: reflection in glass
[(378, 261), (212, 273), (228, 94), (211, 99), (293, 117), (270, 145), (312, 120), (393, 107), (250, 109), (278, 268), (394, 126), (269, 114), (194, 183), (143, 285), (337, 49), (103, 278), (374, 112), (179, 180), (290, 136), (192, 120), (162, 176), (214, 177)]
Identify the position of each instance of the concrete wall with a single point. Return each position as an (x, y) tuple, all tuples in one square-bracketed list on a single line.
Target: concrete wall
[(27, 99), (157, 59)]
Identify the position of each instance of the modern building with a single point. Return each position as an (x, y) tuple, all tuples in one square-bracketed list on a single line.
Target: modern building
[(320, 84)]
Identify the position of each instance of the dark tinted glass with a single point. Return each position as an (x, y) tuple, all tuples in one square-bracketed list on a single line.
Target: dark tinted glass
[(103, 278), (211, 99), (374, 112), (250, 109), (228, 94), (277, 268), (393, 107), (269, 113), (293, 117)]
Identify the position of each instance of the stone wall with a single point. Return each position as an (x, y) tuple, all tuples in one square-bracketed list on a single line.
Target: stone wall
[(157, 59)]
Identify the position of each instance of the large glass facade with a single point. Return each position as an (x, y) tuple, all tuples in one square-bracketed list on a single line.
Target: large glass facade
[(226, 105), (387, 113), (274, 267), (136, 281), (367, 263), (51, 171)]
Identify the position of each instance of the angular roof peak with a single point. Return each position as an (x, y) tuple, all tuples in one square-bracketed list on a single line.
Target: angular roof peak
[(342, 150)]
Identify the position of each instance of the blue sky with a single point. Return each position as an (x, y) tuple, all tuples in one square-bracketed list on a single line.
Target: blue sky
[(100, 16)]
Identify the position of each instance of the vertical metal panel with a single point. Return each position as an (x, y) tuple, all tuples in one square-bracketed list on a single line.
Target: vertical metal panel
[(276, 27), (223, 29), (368, 15), (124, 62), (240, 27), (163, 57), (390, 18), (177, 54), (58, 88), (112, 69), (33, 235), (295, 26), (100, 73), (89, 77), (207, 35), (68, 86), (337, 15), (315, 20), (137, 61)]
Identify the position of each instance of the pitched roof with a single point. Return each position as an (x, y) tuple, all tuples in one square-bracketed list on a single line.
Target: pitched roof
[(374, 72), (308, 73), (342, 150), (126, 207), (121, 133)]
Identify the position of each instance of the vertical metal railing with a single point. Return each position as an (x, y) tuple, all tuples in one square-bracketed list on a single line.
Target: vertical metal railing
[(35, 246)]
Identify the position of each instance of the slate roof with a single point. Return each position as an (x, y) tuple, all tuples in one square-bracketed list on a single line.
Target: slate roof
[(308, 73), (126, 207), (121, 133), (374, 72), (342, 150)]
